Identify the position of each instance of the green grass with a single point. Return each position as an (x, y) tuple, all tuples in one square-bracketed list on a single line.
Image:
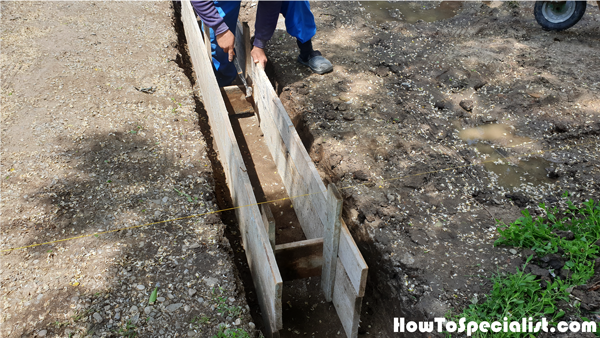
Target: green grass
[(520, 295), (128, 330), (231, 333), (222, 307), (538, 236)]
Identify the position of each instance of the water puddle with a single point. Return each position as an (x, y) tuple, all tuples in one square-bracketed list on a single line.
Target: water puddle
[(411, 12), (511, 172)]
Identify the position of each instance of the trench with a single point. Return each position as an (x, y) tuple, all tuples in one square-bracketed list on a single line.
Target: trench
[(304, 309)]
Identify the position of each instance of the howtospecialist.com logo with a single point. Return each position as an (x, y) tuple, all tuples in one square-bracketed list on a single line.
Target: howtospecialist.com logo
[(525, 325)]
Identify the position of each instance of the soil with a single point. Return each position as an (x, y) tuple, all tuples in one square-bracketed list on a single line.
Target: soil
[(434, 131)]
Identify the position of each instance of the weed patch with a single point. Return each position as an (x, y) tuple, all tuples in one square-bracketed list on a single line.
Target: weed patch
[(562, 243)]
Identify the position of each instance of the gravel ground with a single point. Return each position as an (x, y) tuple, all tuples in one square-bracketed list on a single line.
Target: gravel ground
[(100, 132)]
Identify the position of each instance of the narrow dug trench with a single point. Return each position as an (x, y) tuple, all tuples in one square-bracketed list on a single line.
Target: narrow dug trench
[(305, 310)]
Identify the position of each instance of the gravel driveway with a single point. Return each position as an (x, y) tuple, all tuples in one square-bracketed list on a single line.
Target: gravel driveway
[(99, 132)]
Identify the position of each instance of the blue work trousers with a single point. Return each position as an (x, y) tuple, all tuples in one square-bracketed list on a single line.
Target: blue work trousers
[(299, 23)]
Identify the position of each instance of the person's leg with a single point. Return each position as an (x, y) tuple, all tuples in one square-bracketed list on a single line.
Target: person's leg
[(300, 23), (224, 70)]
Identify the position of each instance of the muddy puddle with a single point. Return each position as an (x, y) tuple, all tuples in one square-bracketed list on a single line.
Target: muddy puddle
[(511, 171), (411, 12)]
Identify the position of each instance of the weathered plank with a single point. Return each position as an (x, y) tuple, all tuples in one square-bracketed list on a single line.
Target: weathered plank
[(346, 302), (270, 107), (300, 259), (304, 185), (309, 207), (353, 261), (261, 259), (206, 37), (331, 240), (269, 221)]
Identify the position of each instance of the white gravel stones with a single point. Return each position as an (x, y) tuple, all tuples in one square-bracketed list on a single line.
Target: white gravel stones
[(97, 317), (134, 309), (174, 307), (211, 281), (148, 310), (141, 287)]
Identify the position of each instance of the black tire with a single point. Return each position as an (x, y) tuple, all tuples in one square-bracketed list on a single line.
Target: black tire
[(558, 15)]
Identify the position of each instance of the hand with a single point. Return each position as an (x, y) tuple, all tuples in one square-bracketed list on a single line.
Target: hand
[(259, 56), (226, 41)]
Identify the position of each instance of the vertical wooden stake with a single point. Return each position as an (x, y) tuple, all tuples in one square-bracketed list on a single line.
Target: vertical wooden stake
[(331, 240), (269, 221), (206, 35)]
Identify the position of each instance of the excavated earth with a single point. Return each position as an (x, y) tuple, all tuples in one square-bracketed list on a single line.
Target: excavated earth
[(437, 120)]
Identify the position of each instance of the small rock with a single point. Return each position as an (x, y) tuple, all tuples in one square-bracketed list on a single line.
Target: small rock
[(330, 116), (238, 322), (513, 251), (191, 333), (97, 317), (488, 119), (342, 107), (231, 299), (349, 117), (568, 235), (210, 281), (186, 308), (561, 127), (361, 175), (251, 325), (407, 259), (134, 309), (537, 271), (141, 287), (191, 292), (194, 246), (382, 71), (466, 105), (117, 316), (148, 310), (160, 299), (42, 333), (174, 307), (554, 261), (165, 199), (200, 300), (440, 104)]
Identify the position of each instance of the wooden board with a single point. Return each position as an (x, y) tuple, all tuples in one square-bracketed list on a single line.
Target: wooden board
[(259, 253), (346, 301), (301, 259), (305, 187), (269, 222), (331, 240)]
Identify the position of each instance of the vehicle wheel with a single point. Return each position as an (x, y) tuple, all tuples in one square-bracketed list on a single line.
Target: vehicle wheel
[(558, 15)]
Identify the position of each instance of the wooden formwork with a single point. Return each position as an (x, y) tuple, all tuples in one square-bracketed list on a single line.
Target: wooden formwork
[(329, 250)]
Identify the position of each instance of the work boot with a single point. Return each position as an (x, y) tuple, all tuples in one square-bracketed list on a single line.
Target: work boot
[(316, 62)]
